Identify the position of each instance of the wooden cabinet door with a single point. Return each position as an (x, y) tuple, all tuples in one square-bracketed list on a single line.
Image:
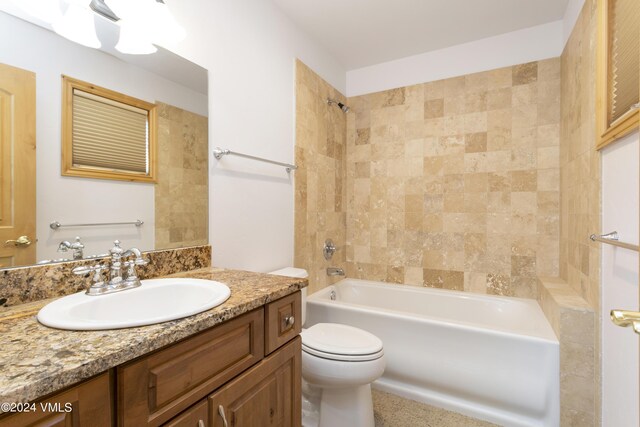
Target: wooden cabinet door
[(268, 395), (196, 416), (17, 166), (86, 405), (153, 389)]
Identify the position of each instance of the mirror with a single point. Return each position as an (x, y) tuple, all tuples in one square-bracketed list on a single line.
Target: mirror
[(40, 207)]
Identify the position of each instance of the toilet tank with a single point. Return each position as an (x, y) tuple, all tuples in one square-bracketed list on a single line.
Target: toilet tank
[(301, 274)]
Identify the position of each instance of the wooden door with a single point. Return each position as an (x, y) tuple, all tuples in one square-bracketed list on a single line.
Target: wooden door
[(268, 395), (17, 166)]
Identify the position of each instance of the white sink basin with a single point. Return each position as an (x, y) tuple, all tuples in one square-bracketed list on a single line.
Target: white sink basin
[(156, 301)]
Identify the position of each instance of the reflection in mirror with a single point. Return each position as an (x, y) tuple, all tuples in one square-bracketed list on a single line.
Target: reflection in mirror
[(168, 213)]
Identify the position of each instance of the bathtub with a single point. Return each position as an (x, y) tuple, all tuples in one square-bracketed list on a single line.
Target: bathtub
[(489, 357)]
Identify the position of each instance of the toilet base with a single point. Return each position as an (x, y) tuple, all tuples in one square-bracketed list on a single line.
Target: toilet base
[(339, 407)]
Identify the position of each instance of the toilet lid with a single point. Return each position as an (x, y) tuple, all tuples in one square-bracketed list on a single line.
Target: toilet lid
[(341, 342)]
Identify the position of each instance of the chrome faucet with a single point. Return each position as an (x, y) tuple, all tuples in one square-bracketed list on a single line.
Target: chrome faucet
[(116, 281), (335, 271), (77, 248)]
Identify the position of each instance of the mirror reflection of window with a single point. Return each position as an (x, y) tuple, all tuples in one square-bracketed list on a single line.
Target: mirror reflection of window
[(107, 134)]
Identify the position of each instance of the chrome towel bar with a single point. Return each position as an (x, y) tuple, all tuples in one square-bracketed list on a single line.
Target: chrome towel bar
[(612, 239), (55, 224), (218, 153)]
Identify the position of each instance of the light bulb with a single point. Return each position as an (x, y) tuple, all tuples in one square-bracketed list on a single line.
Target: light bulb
[(163, 27), (77, 24), (133, 39), (45, 10)]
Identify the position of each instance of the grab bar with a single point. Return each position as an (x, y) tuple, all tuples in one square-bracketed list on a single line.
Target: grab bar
[(218, 153), (55, 224), (612, 239)]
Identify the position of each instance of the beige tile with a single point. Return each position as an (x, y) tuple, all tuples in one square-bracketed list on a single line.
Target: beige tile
[(394, 411)]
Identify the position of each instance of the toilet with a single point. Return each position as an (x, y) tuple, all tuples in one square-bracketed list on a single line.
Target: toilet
[(339, 363)]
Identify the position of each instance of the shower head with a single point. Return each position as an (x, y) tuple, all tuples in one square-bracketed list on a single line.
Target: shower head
[(343, 107)]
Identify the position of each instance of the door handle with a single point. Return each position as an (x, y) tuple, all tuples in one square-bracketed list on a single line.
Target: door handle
[(626, 318), (20, 241)]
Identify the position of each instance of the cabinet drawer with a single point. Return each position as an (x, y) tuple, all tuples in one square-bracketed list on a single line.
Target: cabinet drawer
[(87, 404), (196, 416), (283, 321), (268, 395), (155, 388)]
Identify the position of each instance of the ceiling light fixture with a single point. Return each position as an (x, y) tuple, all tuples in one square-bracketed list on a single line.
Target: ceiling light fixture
[(77, 24), (45, 10), (133, 39), (143, 23)]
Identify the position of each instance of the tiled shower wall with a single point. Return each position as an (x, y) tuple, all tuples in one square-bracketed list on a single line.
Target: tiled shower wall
[(455, 183), (579, 160), (181, 193), (320, 208), (580, 216)]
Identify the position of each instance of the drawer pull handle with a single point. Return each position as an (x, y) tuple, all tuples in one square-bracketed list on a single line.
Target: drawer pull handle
[(289, 321), (224, 418), (201, 423)]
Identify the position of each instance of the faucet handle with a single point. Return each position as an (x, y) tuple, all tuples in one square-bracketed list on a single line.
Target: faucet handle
[(79, 244), (97, 281), (116, 250), (83, 270)]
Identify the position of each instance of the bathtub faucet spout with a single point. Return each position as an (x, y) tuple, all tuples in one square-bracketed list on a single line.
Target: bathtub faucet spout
[(334, 271)]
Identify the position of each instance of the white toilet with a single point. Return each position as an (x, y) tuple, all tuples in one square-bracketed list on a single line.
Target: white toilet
[(339, 363)]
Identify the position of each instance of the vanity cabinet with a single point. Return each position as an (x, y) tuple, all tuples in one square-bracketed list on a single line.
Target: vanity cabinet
[(246, 371), (87, 404), (155, 388), (221, 373)]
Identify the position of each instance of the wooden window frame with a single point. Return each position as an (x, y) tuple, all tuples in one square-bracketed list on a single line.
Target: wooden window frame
[(628, 122), (69, 169)]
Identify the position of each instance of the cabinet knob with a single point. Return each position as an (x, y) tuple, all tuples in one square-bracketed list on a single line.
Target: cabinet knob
[(224, 418), (201, 423), (289, 321)]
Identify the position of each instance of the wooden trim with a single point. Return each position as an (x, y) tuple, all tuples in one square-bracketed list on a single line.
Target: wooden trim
[(608, 133), (621, 127), (68, 169)]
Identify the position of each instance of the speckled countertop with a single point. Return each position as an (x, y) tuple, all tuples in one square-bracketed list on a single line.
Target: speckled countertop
[(36, 360)]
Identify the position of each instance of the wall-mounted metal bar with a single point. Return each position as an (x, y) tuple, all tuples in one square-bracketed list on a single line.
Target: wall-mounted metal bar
[(55, 224), (612, 239), (218, 153)]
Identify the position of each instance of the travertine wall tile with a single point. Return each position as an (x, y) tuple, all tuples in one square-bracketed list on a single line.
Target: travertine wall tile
[(580, 200), (320, 190), (459, 179), (181, 193), (575, 324)]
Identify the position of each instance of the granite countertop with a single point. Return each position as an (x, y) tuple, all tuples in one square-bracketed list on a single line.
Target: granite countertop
[(36, 360)]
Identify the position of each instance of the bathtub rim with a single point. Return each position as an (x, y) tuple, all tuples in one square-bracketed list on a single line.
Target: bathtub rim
[(321, 297)]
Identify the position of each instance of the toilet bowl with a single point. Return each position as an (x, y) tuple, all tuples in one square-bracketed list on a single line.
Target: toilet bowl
[(339, 363)]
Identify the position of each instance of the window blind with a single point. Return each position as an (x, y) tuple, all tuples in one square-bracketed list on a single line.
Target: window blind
[(624, 45), (109, 134)]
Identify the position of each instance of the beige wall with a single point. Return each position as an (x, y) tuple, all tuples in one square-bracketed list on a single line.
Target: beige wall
[(181, 193), (580, 213), (319, 180), (579, 161), (455, 183)]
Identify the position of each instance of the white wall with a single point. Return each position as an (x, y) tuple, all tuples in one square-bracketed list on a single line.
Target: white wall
[(249, 48), (620, 189), (77, 200), (518, 47)]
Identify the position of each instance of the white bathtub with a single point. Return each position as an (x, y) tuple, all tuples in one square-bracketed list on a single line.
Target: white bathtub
[(493, 358)]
